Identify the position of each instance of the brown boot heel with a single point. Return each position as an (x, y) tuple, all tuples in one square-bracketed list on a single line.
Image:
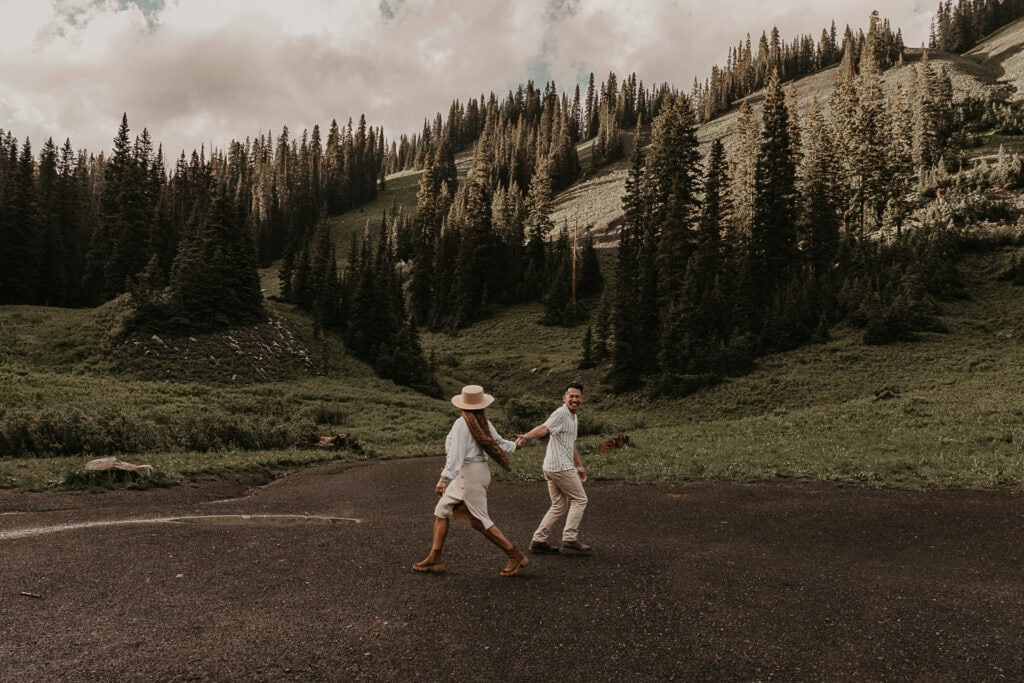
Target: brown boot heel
[(516, 559)]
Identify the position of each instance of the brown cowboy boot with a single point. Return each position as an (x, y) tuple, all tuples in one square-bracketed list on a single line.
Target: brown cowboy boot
[(431, 563), (516, 559)]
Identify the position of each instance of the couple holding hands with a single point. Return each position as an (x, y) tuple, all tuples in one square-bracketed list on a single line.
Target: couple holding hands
[(466, 476)]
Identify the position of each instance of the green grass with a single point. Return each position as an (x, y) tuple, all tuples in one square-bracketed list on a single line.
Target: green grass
[(808, 414), (67, 392)]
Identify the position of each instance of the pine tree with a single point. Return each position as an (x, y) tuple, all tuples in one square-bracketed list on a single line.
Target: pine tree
[(627, 363), (636, 200), (421, 279), (899, 150), (590, 127), (475, 275), (49, 228), (74, 209), (559, 308), (126, 212), (681, 351), (843, 115), (402, 361), (635, 313), (19, 275), (820, 221), (322, 280), (148, 292), (575, 117), (773, 239), (587, 360), (672, 181), (743, 174), (442, 314), (603, 327), (871, 170), (714, 217), (363, 333), (608, 147), (214, 281), (925, 146), (507, 218), (538, 228)]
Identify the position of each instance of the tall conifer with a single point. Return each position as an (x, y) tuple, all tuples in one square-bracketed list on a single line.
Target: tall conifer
[(773, 238)]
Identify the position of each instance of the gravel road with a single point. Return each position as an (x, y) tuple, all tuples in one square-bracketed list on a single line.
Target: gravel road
[(308, 578)]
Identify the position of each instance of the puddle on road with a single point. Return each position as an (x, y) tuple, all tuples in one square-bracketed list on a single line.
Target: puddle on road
[(199, 520)]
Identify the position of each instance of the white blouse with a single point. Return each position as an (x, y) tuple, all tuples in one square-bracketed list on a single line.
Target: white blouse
[(462, 448)]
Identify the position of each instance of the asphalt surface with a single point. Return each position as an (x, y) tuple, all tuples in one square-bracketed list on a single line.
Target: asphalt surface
[(781, 581)]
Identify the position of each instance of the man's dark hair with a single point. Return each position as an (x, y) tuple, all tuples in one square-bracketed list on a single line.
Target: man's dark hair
[(574, 385)]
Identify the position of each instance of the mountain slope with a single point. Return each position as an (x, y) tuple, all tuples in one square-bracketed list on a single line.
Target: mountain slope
[(1003, 54), (996, 63)]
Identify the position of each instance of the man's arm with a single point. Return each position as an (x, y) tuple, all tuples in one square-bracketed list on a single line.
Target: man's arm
[(535, 433)]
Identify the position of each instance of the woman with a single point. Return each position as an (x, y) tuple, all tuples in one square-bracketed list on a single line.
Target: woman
[(465, 478)]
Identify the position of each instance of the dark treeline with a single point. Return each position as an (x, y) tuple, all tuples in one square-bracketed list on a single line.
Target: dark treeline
[(959, 27), (747, 71), (723, 260), (78, 229)]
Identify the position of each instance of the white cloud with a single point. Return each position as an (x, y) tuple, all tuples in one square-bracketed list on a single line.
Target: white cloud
[(199, 72)]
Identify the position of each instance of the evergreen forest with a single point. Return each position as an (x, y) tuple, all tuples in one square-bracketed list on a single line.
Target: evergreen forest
[(848, 212)]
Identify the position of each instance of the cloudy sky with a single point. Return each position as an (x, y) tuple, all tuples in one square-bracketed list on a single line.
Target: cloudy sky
[(208, 71)]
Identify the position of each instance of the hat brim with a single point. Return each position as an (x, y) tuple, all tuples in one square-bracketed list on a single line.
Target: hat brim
[(462, 405)]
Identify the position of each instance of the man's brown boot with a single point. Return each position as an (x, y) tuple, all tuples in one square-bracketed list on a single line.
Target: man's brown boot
[(516, 559), (431, 563)]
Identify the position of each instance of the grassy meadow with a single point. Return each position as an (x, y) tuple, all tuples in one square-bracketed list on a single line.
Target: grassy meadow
[(955, 418)]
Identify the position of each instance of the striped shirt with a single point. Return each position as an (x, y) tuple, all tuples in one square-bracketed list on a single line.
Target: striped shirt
[(561, 440)]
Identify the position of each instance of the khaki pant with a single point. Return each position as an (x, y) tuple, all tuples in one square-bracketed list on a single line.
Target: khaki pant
[(567, 494)]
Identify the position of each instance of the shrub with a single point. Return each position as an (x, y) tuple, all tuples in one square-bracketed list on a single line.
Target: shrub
[(524, 414), (67, 431)]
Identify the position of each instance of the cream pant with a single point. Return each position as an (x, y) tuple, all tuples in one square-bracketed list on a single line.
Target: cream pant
[(567, 494)]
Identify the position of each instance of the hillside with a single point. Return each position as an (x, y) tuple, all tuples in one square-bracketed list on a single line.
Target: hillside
[(941, 411), (1001, 54), (995, 63)]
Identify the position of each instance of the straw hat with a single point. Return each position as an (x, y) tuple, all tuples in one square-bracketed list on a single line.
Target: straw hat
[(472, 398)]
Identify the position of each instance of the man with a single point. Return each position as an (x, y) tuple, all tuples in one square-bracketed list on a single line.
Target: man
[(564, 473)]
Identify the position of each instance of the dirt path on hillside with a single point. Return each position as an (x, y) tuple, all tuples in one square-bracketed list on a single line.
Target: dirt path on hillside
[(701, 581)]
